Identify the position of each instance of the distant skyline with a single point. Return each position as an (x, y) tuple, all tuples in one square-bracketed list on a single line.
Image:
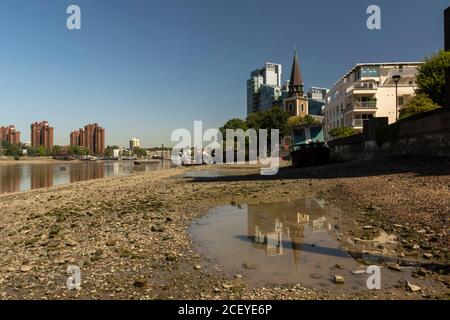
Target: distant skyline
[(144, 68)]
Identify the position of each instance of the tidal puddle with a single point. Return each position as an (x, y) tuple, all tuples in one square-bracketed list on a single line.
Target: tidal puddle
[(302, 241)]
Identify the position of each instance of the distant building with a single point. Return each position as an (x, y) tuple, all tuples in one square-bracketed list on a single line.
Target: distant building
[(368, 91), (91, 137), (134, 143), (9, 134), (296, 102), (316, 100), (263, 87), (41, 135)]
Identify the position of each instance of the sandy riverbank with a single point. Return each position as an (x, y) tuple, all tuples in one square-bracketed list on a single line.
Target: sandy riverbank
[(129, 234)]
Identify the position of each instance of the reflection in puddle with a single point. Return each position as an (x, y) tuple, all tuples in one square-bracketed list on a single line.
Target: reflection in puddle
[(286, 243)]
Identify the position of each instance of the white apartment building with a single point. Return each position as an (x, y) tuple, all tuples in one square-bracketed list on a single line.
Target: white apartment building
[(367, 91), (134, 143)]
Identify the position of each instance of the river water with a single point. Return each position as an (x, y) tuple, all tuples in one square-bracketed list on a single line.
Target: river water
[(26, 176)]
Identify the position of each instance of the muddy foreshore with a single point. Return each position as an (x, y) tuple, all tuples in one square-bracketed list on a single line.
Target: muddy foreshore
[(129, 234)]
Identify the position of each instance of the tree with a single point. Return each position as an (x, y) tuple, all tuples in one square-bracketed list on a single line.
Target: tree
[(254, 120), (338, 133), (31, 151), (11, 149), (275, 118), (109, 151), (299, 120), (56, 150), (140, 152), (84, 151), (431, 77), (418, 104), (41, 151), (74, 150), (234, 124)]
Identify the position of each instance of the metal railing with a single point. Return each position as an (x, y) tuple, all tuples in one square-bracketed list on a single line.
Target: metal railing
[(362, 86), (364, 105)]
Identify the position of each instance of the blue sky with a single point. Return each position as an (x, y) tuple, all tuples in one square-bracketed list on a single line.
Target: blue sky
[(143, 68)]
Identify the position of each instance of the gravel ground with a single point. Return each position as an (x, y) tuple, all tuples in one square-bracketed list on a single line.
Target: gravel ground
[(129, 234)]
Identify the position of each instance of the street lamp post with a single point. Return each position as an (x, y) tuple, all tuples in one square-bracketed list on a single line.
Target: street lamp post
[(396, 79), (343, 118)]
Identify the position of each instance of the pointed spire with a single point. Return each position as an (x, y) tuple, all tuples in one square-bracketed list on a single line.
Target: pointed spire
[(296, 83)]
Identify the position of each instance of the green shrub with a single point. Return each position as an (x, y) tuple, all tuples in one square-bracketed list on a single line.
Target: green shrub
[(418, 104), (344, 132)]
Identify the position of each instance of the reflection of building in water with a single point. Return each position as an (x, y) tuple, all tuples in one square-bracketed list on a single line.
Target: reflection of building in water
[(87, 171), (41, 177), (268, 224), (319, 224), (10, 181), (272, 239), (116, 168)]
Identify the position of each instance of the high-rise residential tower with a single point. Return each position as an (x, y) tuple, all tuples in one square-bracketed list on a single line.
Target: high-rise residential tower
[(10, 134), (41, 135), (91, 137), (134, 143), (263, 87)]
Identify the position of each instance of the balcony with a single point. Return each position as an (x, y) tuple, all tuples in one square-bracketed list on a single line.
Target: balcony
[(365, 105), (362, 105), (365, 87)]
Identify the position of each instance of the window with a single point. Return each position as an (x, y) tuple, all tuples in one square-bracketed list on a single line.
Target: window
[(401, 101), (357, 74), (370, 72)]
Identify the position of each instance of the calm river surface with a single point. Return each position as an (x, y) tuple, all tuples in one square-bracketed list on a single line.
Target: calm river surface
[(27, 176)]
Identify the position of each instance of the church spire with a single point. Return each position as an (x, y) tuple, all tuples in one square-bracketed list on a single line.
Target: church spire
[(296, 83)]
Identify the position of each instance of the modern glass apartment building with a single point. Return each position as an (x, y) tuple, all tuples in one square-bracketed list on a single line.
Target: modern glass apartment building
[(263, 87)]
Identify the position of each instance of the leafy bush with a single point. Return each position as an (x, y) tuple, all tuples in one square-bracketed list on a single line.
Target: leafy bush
[(418, 104), (338, 133), (299, 120)]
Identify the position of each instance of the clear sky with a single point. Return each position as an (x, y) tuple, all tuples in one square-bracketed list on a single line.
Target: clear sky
[(143, 68)]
